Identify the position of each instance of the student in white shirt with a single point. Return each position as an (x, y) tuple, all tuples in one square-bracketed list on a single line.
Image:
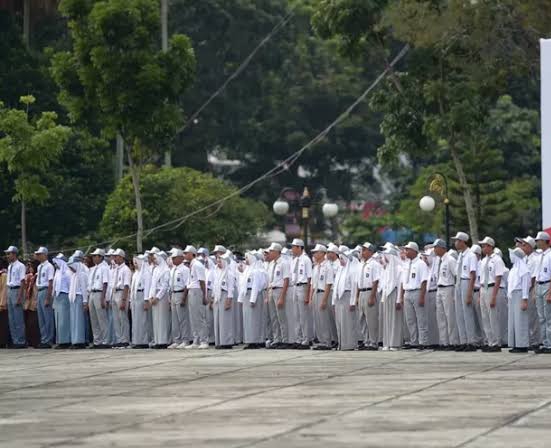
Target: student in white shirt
[(78, 297), (253, 284), (518, 292), (344, 301), (16, 290), (415, 279), (179, 310), (159, 301), (280, 306), (321, 284), (392, 309), (224, 302), (445, 301), (367, 297), (141, 314), (45, 289), (543, 291), (301, 274), (98, 281), (62, 308), (491, 270), (466, 277), (197, 300), (121, 297)]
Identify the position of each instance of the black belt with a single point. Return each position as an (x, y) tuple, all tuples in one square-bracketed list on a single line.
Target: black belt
[(320, 290), (490, 285), (432, 290), (544, 283), (411, 290), (365, 289), (119, 290), (301, 284), (445, 286), (97, 290), (139, 290), (276, 287), (476, 289), (175, 292), (14, 287), (42, 288)]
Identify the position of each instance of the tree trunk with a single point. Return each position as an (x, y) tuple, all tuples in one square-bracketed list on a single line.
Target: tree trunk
[(23, 229), (27, 22), (119, 158), (164, 45), (467, 196), (135, 175)]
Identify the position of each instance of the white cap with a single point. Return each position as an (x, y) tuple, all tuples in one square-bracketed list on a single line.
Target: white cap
[(120, 253), (99, 252), (319, 248), (530, 241), (275, 246), (461, 236), (110, 252), (370, 247), (439, 243), (413, 246), (542, 236), (489, 241), (162, 254), (60, 256), (190, 250), (344, 250), (203, 251), (219, 248), (476, 249), (517, 251), (11, 250), (174, 252), (333, 248), (42, 250), (297, 242)]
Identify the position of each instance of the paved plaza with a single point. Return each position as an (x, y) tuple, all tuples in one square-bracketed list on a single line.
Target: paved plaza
[(266, 398)]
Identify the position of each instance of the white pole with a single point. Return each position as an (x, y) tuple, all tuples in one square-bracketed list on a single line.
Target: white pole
[(545, 45), (164, 40)]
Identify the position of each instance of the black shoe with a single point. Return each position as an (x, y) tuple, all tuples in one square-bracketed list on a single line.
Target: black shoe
[(546, 350), (18, 346), (533, 348), (251, 346), (470, 348), (160, 346), (77, 346), (519, 350), (371, 348), (44, 345), (485, 348), (62, 346), (494, 349), (407, 347), (302, 347), (140, 346), (321, 347)]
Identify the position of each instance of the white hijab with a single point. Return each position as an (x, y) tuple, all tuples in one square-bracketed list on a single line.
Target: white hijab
[(518, 273), (79, 281), (392, 272)]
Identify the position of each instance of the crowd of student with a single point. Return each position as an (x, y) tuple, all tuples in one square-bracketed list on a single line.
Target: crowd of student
[(364, 298)]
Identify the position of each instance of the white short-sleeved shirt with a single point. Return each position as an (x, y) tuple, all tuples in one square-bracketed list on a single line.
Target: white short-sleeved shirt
[(16, 274), (278, 271), (370, 272), (179, 278), (45, 274), (322, 275), (544, 268), (491, 267), (123, 277), (415, 274), (301, 269), (98, 276), (467, 263), (532, 262), (447, 271), (196, 274)]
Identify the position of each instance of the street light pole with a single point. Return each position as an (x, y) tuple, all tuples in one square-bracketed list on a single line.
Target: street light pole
[(305, 203), (439, 184)]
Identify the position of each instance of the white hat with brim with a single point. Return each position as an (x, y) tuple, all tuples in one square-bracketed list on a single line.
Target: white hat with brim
[(119, 253), (275, 246), (41, 250), (219, 248), (461, 236), (190, 250), (476, 249), (319, 248), (333, 248), (542, 236), (297, 242), (487, 241), (174, 252), (413, 246), (517, 251), (11, 250), (99, 252), (439, 243), (370, 247)]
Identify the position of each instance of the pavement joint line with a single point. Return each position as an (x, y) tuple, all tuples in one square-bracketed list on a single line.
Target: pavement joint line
[(85, 377), (368, 405), (228, 400), (509, 421), (41, 366)]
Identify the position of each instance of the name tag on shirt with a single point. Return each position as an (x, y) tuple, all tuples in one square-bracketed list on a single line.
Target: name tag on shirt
[(413, 275), (278, 273), (367, 275), (321, 277)]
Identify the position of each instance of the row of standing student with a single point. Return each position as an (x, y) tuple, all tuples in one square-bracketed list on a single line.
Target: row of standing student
[(359, 298)]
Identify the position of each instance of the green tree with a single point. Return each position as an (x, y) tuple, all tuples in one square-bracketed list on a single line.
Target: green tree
[(28, 148), (170, 193), (117, 74)]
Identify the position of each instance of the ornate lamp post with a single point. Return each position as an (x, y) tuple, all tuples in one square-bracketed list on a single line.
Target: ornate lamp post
[(438, 184)]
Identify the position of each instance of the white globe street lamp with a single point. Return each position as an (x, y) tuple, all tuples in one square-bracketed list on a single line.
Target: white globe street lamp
[(280, 207), (330, 210), (427, 203)]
